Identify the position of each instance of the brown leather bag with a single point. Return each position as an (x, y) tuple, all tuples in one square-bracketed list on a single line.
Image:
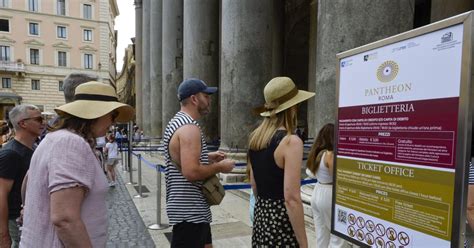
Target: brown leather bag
[(212, 188)]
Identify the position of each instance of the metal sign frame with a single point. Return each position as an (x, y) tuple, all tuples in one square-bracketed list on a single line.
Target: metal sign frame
[(462, 153)]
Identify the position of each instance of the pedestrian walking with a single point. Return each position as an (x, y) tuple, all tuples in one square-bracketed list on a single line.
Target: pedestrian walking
[(320, 166), (111, 149), (65, 196), (188, 163), (275, 154), (15, 159)]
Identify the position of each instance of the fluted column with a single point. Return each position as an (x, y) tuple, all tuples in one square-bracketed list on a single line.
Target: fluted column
[(201, 54), (146, 114), (172, 56), (343, 25), (313, 30), (138, 62), (443, 9), (247, 64), (155, 68)]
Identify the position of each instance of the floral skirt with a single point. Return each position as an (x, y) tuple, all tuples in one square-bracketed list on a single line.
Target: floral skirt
[(271, 226)]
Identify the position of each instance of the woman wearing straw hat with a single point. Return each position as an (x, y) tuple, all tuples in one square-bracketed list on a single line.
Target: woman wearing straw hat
[(275, 155), (66, 192)]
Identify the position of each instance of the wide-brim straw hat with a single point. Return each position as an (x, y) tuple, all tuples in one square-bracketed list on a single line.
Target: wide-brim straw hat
[(280, 94), (93, 100)]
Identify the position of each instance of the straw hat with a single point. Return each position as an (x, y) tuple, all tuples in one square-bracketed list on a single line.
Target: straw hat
[(280, 94), (93, 100)]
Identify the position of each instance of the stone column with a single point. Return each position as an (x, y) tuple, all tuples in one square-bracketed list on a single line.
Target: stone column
[(313, 30), (201, 54), (172, 56), (146, 112), (443, 9), (343, 25), (155, 68), (247, 64), (138, 61)]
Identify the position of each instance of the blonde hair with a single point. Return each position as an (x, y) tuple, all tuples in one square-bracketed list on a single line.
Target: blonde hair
[(261, 136)]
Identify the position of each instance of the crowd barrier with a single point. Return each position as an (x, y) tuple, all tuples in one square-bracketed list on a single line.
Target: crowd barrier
[(160, 169)]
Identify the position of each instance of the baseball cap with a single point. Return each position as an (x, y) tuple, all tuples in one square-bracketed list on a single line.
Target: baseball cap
[(192, 86)]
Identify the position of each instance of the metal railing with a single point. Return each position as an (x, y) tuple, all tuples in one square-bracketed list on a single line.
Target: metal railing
[(130, 148)]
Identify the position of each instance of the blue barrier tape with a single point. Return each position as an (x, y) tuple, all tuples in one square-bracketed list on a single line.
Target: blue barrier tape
[(150, 164), (248, 186), (237, 186), (227, 186)]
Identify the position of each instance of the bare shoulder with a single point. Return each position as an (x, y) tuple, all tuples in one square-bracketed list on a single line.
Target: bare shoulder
[(291, 143), (329, 155), (188, 131), (292, 140)]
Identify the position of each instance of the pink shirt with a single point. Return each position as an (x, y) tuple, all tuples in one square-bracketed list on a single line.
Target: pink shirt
[(63, 160)]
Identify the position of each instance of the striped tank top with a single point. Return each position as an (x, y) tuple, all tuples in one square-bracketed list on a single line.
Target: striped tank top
[(184, 199)]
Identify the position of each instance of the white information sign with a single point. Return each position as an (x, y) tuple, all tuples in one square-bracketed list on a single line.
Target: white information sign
[(396, 141)]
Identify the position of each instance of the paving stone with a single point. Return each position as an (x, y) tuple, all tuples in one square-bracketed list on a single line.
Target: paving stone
[(126, 227)]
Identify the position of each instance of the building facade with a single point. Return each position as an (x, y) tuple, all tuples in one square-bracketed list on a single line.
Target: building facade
[(126, 80), (41, 41)]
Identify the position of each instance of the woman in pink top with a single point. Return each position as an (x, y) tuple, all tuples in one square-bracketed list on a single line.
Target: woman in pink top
[(65, 196)]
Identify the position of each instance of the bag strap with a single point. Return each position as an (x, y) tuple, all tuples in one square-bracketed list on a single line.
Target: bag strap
[(178, 166)]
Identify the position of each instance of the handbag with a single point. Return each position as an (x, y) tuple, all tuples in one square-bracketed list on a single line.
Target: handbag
[(211, 188)]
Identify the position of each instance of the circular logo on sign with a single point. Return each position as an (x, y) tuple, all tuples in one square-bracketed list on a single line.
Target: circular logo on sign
[(387, 71)]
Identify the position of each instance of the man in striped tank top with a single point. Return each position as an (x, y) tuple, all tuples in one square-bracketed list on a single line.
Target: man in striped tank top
[(187, 209)]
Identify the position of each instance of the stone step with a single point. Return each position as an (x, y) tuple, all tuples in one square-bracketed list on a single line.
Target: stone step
[(232, 177)]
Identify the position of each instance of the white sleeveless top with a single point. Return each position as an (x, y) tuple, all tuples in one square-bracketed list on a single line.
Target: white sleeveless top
[(322, 174)]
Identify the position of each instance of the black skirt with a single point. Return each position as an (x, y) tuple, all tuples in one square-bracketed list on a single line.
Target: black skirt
[(271, 226)]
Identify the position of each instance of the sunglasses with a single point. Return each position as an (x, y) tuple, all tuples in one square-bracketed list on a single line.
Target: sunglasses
[(38, 119)]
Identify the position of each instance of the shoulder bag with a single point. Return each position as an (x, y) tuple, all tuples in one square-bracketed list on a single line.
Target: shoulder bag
[(212, 188)]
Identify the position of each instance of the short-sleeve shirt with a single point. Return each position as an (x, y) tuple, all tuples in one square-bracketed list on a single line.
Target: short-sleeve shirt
[(64, 160), (14, 163), (112, 150)]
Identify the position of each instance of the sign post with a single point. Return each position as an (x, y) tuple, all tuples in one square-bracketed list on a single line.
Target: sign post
[(403, 138)]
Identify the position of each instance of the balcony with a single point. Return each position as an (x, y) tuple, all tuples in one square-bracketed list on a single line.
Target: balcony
[(12, 66)]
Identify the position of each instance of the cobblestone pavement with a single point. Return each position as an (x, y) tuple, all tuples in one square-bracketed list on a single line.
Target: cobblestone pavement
[(126, 227)]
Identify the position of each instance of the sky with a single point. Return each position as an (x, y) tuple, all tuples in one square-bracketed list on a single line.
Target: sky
[(125, 24)]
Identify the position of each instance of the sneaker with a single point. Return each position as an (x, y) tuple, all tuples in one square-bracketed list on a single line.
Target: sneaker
[(112, 184)]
